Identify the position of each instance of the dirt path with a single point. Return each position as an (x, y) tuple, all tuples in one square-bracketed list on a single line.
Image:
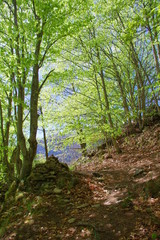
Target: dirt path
[(114, 199)]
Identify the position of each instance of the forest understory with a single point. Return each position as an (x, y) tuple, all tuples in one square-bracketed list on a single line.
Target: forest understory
[(114, 197), (80, 72)]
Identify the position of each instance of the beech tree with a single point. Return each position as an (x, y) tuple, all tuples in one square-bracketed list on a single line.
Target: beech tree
[(32, 29), (113, 64), (102, 59)]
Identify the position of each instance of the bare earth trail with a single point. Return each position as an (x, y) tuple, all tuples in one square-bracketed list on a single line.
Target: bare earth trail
[(117, 198)]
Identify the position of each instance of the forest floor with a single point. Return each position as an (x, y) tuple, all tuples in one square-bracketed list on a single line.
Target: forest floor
[(117, 198)]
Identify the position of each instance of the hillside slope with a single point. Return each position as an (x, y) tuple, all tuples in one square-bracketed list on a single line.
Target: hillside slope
[(117, 196)]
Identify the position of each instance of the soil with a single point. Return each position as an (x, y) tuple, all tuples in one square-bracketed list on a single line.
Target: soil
[(117, 197)]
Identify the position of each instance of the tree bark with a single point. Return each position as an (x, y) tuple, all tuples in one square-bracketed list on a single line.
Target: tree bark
[(44, 134), (28, 159), (107, 102)]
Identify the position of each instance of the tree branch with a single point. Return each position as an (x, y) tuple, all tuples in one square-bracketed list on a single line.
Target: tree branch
[(45, 52), (1, 118), (8, 6), (48, 75)]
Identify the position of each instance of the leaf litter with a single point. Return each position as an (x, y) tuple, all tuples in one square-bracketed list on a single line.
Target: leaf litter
[(114, 199)]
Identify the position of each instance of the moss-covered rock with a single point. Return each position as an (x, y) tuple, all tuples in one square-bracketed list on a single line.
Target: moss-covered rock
[(152, 188), (46, 176), (10, 194)]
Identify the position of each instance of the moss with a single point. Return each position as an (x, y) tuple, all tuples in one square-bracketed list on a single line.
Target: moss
[(152, 188), (127, 203)]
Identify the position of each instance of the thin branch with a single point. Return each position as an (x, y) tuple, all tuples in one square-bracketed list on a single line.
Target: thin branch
[(45, 52), (26, 116), (48, 75), (1, 118), (8, 6)]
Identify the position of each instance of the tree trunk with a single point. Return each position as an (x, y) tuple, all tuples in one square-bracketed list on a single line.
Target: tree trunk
[(44, 134), (28, 156), (140, 81), (107, 103), (153, 46), (9, 168), (28, 159), (119, 80), (140, 86)]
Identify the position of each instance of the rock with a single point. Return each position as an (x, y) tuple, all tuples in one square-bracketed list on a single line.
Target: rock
[(97, 175), (55, 173), (107, 156), (47, 185), (152, 188), (72, 220), (138, 172), (37, 177), (73, 182), (3, 190), (61, 181), (10, 194), (65, 166), (131, 129), (41, 168), (19, 195), (57, 190), (96, 205), (52, 158), (29, 221), (50, 177), (101, 179), (50, 165), (83, 205), (127, 203), (91, 153), (102, 146), (66, 200)]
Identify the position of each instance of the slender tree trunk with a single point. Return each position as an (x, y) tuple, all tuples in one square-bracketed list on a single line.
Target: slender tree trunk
[(131, 91), (9, 168), (106, 97), (140, 86), (140, 81), (44, 134), (27, 162), (15, 160), (20, 136), (91, 58), (107, 103), (153, 34), (153, 46), (119, 80), (80, 132), (28, 155)]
